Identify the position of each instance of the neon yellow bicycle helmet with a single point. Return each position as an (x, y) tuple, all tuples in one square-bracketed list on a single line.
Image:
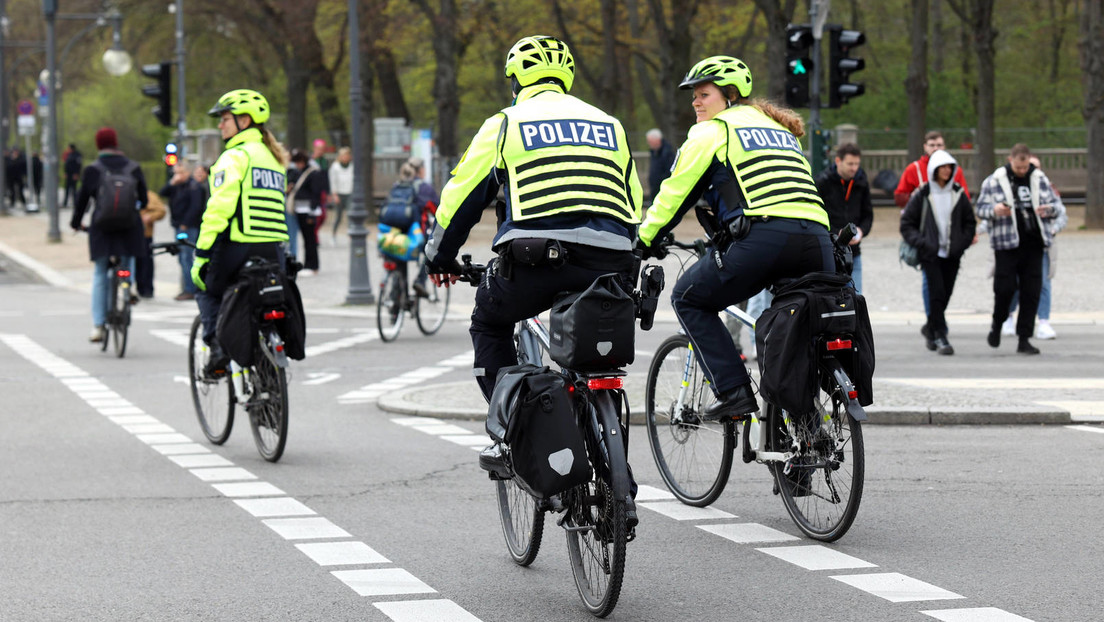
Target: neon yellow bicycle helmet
[(722, 71), (243, 101), (538, 58)]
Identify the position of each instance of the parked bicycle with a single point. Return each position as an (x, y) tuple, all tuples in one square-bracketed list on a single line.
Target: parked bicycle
[(816, 457), (428, 305), (598, 516), (259, 388)]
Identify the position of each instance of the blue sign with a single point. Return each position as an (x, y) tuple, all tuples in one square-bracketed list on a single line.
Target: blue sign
[(25, 107)]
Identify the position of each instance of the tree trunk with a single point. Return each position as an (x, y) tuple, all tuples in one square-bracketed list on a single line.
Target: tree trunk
[(298, 80), (674, 52), (937, 42), (1059, 9), (447, 50), (644, 79), (778, 15), (984, 36), (394, 103), (609, 91), (1092, 75), (299, 18), (916, 84)]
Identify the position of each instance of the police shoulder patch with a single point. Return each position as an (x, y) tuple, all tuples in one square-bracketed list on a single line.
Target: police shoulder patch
[(218, 179)]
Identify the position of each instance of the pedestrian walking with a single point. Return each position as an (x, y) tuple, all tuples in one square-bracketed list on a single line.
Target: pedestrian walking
[(341, 175), (74, 160), (186, 204), (846, 194), (143, 261), (305, 197)]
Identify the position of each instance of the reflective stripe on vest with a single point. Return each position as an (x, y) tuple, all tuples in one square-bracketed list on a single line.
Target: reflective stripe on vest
[(261, 205)]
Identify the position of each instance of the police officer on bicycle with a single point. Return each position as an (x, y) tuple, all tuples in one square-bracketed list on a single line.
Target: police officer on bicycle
[(765, 217), (573, 201), (245, 214)]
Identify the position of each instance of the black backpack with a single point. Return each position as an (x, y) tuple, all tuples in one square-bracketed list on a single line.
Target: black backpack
[(116, 198), (401, 208)]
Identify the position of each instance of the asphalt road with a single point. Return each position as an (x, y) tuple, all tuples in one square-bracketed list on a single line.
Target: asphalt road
[(378, 517)]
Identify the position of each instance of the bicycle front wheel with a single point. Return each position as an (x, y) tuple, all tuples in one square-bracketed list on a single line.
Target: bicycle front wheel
[(432, 309), (121, 320), (821, 486), (389, 307), (522, 521), (268, 406), (213, 397), (694, 457)]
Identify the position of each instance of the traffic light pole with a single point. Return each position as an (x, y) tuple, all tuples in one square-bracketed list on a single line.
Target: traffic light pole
[(181, 118), (817, 140)]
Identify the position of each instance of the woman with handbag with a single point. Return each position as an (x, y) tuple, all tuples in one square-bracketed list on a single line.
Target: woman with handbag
[(939, 223), (305, 199)]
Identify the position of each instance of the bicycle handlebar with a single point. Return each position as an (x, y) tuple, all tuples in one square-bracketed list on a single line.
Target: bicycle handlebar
[(172, 248)]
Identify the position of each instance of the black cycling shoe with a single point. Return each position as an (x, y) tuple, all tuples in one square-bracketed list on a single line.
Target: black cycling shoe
[(217, 361), (493, 462), (740, 401)]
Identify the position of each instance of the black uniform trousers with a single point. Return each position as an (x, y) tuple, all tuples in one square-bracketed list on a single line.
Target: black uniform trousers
[(227, 258), (776, 249), (501, 303), (1020, 268)]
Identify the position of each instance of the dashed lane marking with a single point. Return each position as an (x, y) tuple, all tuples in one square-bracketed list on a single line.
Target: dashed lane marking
[(896, 587), (975, 614), (816, 557), (368, 394), (1087, 428), (179, 337), (286, 516)]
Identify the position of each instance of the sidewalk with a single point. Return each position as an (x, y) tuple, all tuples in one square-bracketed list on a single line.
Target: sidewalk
[(891, 290)]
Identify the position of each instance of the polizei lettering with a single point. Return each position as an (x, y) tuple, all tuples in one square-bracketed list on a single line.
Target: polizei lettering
[(269, 179), (753, 138), (564, 132)]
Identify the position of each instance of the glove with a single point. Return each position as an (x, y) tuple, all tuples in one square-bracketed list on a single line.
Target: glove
[(199, 272), (649, 252), (443, 267)]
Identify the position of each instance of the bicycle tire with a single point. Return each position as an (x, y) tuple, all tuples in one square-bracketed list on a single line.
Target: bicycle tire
[(213, 398), (822, 498), (522, 521), (389, 307), (597, 528), (430, 311), (113, 283), (693, 457), (121, 321), (268, 405)]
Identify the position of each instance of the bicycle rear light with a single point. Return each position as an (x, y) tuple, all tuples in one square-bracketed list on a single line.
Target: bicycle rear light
[(839, 344), (599, 384), (852, 394), (274, 315), (123, 274), (279, 347), (390, 265)]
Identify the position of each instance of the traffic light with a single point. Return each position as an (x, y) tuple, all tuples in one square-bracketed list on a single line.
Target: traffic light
[(840, 65), (799, 64), (171, 156), (162, 91)]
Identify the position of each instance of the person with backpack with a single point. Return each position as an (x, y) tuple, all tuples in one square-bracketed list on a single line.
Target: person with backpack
[(117, 187), (404, 218)]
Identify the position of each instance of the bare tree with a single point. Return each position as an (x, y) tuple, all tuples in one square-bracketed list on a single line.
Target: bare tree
[(674, 39), (916, 84), (604, 82), (978, 16), (1058, 12), (642, 65), (1092, 75), (448, 47), (938, 43)]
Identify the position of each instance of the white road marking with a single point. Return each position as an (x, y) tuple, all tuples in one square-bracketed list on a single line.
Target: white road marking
[(425, 611), (123, 419), (223, 474), (305, 528), (341, 553), (1087, 428), (1000, 383), (1081, 411), (279, 506), (441, 429), (127, 410), (415, 420), (162, 439), (816, 557), (467, 440), (680, 511), (248, 489), (975, 614), (745, 533), (175, 336), (321, 378), (183, 448), (896, 587), (371, 392), (651, 493), (199, 460), (148, 428), (383, 582), (338, 344)]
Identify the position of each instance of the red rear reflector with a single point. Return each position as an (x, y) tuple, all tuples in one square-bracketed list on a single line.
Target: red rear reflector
[(274, 315), (123, 274), (599, 384), (852, 395), (390, 265), (280, 347), (839, 344)]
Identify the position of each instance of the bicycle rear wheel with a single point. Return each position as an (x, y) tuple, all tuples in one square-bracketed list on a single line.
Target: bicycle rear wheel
[(213, 398), (121, 320), (596, 523), (431, 310), (694, 457), (823, 487), (389, 307), (268, 406), (522, 521)]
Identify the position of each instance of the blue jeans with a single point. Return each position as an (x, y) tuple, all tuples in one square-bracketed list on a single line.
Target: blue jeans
[(100, 287), (924, 293), (856, 276), (293, 234), (187, 257), (1044, 294)]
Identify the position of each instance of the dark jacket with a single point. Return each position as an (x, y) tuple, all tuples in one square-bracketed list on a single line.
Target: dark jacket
[(100, 243), (311, 189), (185, 203), (846, 201), (73, 161), (963, 225), (660, 166)]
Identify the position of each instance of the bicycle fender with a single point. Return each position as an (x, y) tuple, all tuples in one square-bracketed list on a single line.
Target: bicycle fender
[(612, 437), (847, 388)]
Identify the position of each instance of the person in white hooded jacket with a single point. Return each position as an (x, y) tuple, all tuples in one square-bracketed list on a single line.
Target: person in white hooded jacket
[(939, 221)]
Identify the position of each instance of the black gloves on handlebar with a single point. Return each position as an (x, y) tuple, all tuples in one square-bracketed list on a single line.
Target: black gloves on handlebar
[(656, 250), (443, 267)]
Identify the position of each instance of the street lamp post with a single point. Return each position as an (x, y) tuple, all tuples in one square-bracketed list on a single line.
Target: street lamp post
[(49, 150), (360, 284)]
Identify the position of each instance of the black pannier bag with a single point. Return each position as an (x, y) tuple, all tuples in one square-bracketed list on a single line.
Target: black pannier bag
[(532, 412), (802, 314), (258, 291), (593, 330)]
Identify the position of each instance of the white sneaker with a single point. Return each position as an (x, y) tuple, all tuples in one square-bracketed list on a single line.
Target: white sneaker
[(1009, 327), (1043, 330), (97, 334), (306, 274)]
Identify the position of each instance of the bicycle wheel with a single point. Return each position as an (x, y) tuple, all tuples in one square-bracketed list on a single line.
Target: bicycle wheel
[(597, 531), (821, 486), (431, 310), (694, 457), (213, 398), (121, 321), (268, 406), (389, 307), (522, 521)]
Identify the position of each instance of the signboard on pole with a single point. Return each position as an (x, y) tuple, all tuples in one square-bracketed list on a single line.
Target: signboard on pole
[(25, 123), (25, 106)]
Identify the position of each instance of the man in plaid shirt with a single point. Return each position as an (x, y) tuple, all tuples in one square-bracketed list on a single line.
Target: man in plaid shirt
[(1023, 213)]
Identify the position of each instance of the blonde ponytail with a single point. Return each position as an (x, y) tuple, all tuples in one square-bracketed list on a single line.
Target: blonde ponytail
[(274, 146), (783, 116)]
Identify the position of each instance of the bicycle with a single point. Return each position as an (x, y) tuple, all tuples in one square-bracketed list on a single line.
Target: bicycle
[(816, 458), (260, 388), (599, 517), (117, 321), (395, 301)]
